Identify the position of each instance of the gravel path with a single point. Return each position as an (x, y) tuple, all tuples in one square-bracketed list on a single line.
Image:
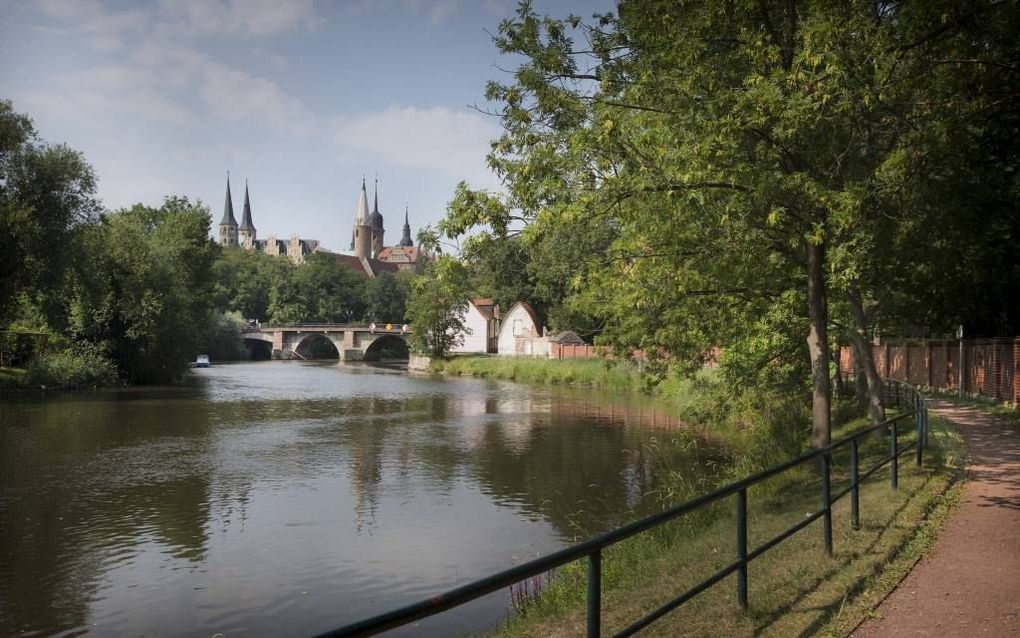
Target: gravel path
[(970, 585)]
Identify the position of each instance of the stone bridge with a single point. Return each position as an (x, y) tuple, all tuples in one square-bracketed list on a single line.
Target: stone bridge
[(353, 342)]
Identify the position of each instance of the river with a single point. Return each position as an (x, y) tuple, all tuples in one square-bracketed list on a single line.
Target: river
[(286, 498)]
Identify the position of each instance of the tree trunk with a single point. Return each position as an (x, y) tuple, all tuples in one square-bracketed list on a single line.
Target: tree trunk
[(860, 379), (818, 347), (862, 353), (837, 380)]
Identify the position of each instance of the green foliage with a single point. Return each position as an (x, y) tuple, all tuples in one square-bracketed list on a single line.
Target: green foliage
[(223, 341), (82, 364), (244, 281), (147, 293), (47, 192), (386, 297), (754, 161), (321, 290), (436, 308)]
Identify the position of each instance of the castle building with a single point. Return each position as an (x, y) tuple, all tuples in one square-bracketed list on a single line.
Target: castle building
[(370, 253), (367, 239), (245, 235)]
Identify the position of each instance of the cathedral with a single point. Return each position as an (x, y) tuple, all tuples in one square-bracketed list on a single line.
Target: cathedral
[(367, 237), (370, 254), (244, 235)]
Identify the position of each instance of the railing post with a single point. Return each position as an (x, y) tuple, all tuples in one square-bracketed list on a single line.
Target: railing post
[(826, 504), (895, 466), (855, 503), (742, 548), (595, 594)]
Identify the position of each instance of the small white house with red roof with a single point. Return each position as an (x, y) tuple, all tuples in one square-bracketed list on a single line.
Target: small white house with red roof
[(481, 322)]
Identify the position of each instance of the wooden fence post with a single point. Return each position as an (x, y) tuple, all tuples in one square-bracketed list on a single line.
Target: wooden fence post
[(1016, 370), (928, 363)]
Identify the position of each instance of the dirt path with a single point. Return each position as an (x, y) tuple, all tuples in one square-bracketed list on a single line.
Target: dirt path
[(970, 585)]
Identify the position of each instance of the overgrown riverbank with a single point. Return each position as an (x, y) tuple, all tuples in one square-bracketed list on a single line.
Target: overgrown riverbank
[(794, 589)]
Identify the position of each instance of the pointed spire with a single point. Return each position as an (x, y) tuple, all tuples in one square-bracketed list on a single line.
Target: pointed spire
[(375, 207), (406, 239), (362, 217), (228, 208), (246, 214)]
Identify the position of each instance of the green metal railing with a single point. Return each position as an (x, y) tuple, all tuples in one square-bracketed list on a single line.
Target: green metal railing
[(904, 396)]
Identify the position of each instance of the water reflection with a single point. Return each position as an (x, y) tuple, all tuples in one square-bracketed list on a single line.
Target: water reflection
[(290, 498)]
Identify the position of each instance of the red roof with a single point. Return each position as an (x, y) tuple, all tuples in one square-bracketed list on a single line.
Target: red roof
[(412, 252), (484, 306), (367, 268)]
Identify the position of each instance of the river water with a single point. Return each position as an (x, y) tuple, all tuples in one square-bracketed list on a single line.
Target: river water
[(286, 498)]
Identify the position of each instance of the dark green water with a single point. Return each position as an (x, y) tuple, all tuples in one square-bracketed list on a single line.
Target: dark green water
[(285, 499)]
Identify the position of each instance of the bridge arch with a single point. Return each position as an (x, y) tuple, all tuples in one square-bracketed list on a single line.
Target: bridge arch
[(258, 349), (317, 346), (388, 346)]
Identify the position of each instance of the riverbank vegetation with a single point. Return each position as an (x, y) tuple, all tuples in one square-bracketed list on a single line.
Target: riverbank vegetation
[(794, 589)]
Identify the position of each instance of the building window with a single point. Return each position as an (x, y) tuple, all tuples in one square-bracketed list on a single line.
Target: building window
[(518, 327)]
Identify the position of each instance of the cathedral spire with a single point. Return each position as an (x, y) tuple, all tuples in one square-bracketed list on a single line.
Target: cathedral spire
[(228, 208), (375, 207), (406, 239), (246, 223), (362, 217)]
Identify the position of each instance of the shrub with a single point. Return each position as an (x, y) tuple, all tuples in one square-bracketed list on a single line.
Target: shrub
[(82, 364)]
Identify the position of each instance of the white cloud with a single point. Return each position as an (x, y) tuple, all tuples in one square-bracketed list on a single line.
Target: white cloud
[(442, 10), (438, 138), (237, 17), (106, 28), (236, 95)]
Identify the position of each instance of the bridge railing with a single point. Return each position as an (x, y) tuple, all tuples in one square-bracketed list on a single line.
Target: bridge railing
[(361, 327), (903, 395)]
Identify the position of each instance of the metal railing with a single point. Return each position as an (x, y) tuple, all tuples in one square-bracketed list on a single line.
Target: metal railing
[(903, 395)]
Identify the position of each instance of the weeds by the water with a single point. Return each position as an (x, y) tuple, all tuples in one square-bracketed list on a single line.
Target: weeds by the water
[(524, 594), (794, 588)]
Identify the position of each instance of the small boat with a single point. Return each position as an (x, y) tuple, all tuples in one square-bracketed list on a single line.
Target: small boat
[(201, 362)]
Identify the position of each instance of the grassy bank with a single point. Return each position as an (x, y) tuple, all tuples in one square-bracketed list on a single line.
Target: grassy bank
[(615, 375), (82, 366), (794, 589)]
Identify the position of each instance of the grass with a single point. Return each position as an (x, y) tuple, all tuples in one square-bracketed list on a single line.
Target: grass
[(794, 589), (597, 373), (12, 377)]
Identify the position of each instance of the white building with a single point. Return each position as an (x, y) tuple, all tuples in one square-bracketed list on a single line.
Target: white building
[(480, 321), (520, 334)]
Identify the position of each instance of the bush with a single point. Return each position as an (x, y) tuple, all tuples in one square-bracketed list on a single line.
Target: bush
[(223, 339), (83, 365)]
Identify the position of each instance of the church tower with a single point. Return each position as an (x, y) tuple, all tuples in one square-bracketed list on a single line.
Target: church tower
[(405, 241), (228, 225), (377, 224), (246, 231), (361, 240)]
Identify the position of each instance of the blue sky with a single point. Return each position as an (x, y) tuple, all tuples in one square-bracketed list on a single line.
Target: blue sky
[(301, 97)]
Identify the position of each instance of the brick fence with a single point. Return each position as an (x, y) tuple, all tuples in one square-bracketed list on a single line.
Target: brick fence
[(991, 367), (574, 351)]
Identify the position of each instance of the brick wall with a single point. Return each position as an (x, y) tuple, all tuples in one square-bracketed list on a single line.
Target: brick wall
[(991, 367)]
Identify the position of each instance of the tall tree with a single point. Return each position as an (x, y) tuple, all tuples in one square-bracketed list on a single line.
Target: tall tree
[(146, 296), (737, 147), (436, 309), (47, 192)]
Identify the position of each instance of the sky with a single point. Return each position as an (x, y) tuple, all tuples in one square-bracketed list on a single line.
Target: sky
[(301, 98)]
